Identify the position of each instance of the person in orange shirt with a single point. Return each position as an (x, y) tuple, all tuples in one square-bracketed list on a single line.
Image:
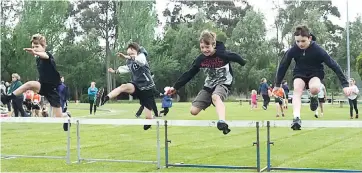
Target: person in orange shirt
[(279, 94), (36, 105)]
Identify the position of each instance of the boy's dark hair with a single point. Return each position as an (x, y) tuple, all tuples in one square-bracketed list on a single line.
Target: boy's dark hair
[(134, 46), (302, 31)]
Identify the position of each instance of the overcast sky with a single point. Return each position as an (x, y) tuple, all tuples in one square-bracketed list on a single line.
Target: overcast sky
[(265, 6)]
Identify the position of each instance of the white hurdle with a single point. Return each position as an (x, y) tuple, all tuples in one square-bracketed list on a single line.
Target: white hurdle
[(38, 120), (316, 124), (158, 123), (120, 122)]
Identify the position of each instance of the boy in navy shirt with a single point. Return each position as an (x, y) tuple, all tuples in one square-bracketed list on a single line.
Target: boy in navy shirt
[(308, 71)]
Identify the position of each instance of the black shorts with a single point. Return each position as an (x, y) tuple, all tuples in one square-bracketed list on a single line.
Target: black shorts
[(50, 92), (146, 97), (36, 106), (27, 104), (306, 78), (321, 100), (279, 100)]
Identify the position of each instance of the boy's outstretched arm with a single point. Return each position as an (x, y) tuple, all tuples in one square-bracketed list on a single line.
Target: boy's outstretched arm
[(122, 69), (335, 67), (187, 76), (43, 55), (283, 67), (141, 59)]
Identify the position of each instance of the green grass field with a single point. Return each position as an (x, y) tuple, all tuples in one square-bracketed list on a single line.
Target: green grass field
[(313, 148)]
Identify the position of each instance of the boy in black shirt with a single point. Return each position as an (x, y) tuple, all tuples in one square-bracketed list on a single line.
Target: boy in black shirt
[(49, 77), (215, 61)]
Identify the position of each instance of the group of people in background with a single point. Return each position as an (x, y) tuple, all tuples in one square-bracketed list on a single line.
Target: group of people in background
[(30, 103), (281, 98)]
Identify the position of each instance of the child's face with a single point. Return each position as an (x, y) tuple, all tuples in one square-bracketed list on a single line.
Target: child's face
[(302, 42), (351, 82), (38, 47), (207, 50), (132, 52)]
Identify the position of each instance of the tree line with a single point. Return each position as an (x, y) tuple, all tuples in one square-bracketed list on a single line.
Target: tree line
[(75, 29)]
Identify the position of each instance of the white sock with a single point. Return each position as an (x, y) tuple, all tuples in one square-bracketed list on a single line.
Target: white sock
[(65, 114), (296, 115), (316, 111)]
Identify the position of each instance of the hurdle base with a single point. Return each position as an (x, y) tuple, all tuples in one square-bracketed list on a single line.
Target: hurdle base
[(114, 160), (263, 169), (25, 156), (313, 169), (212, 166)]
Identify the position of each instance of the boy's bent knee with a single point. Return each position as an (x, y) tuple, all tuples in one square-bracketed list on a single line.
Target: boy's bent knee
[(194, 110)]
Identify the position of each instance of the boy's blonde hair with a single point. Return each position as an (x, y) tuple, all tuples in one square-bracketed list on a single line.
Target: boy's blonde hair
[(253, 91), (38, 39), (207, 37)]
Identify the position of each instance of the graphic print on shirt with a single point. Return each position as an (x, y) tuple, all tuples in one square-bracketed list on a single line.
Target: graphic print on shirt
[(217, 72)]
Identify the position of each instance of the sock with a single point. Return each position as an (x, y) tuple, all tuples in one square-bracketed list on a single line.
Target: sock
[(322, 114), (316, 112), (65, 114), (297, 115), (221, 121)]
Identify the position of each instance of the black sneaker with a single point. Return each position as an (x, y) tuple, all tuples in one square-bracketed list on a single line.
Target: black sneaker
[(104, 99), (65, 125), (222, 126), (313, 103), (146, 127), (315, 115), (356, 116), (137, 116), (297, 123)]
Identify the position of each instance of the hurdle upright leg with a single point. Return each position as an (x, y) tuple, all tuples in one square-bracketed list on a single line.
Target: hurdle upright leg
[(257, 144), (269, 166)]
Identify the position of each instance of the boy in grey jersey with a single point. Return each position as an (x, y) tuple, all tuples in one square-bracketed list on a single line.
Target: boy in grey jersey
[(142, 83)]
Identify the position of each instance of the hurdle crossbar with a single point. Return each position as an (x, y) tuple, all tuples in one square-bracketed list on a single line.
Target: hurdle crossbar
[(117, 122), (39, 120), (211, 124), (307, 124)]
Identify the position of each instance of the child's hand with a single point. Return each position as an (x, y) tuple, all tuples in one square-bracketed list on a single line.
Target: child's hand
[(111, 70), (30, 50), (170, 91), (124, 56)]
